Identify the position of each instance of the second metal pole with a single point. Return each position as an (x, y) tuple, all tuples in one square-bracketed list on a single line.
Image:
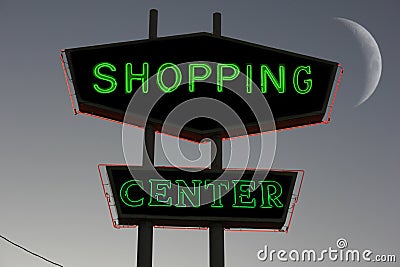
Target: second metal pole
[(216, 234), (153, 24), (217, 24), (148, 147), (217, 245), (216, 151), (145, 244), (145, 230)]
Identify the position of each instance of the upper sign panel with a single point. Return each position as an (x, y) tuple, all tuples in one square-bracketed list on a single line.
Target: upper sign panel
[(106, 77)]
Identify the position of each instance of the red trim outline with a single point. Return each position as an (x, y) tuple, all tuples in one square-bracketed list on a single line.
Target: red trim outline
[(67, 81)]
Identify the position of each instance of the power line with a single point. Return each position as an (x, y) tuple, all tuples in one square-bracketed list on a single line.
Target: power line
[(26, 250)]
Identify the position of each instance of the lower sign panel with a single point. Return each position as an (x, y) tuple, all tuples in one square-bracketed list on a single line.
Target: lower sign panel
[(176, 197)]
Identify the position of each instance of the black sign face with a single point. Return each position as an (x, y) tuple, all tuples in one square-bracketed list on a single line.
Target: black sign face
[(247, 199), (106, 77)]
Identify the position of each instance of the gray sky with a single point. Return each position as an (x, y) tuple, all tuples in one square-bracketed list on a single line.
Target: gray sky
[(50, 194)]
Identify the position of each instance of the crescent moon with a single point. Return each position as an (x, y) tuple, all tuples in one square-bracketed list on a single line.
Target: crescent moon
[(372, 54)]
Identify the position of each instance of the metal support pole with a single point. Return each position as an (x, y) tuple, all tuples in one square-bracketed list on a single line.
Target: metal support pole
[(153, 24), (145, 244), (145, 230), (149, 143), (217, 24), (216, 150), (216, 232), (216, 245)]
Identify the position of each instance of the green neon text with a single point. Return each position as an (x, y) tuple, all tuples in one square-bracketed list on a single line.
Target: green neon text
[(279, 85), (104, 77), (249, 78), (125, 196), (217, 191), (193, 77), (160, 74), (242, 191), (268, 195), (193, 196), (308, 82), (169, 77), (143, 77), (221, 77), (271, 191), (158, 191)]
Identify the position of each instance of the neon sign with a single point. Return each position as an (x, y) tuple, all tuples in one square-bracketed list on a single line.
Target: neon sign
[(245, 198), (106, 77)]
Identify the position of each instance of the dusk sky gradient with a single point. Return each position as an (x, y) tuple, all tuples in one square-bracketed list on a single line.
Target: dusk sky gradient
[(51, 200)]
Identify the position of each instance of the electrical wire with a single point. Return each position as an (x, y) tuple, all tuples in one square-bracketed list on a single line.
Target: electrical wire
[(26, 250)]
